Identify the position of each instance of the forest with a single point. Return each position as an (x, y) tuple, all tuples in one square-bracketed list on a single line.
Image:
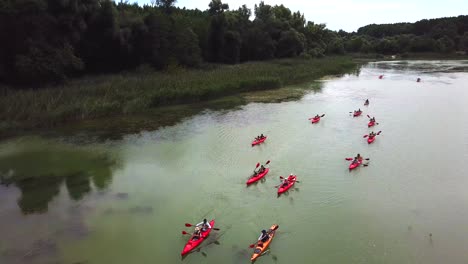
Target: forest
[(51, 41)]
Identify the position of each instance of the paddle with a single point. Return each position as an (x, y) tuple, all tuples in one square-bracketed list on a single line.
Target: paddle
[(314, 117), (282, 178), (253, 245), (189, 225), (353, 159)]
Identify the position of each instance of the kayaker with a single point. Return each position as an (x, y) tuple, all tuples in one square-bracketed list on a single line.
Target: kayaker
[(418, 80), (262, 136), (367, 102), (196, 234), (317, 116), (285, 182), (358, 157), (203, 225), (372, 119), (372, 134), (264, 236), (262, 169), (356, 160)]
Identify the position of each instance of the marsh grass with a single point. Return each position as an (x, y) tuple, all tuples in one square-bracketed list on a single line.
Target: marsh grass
[(144, 89)]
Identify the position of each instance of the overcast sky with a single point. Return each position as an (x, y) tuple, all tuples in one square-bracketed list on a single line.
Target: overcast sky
[(349, 15)]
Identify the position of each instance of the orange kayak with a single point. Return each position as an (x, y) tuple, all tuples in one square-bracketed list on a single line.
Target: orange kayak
[(262, 246)]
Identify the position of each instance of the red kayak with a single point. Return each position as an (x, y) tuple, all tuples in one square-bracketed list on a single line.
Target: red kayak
[(370, 139), (192, 244), (315, 120), (371, 124), (354, 165), (258, 176), (357, 113), (256, 142), (291, 182)]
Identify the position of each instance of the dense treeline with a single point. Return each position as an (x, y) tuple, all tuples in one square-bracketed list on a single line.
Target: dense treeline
[(47, 41), (442, 35)]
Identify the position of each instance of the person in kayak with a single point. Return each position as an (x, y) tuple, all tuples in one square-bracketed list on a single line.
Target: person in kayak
[(418, 80), (355, 161), (255, 172), (372, 134), (204, 226), (285, 182), (262, 169), (372, 119), (316, 117), (264, 236), (367, 102), (262, 136), (196, 234), (358, 157)]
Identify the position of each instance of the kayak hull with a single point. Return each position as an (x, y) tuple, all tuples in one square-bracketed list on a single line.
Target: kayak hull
[(370, 140), (262, 246), (192, 244), (292, 181), (315, 120), (357, 114), (258, 177), (354, 165), (371, 124), (256, 142)]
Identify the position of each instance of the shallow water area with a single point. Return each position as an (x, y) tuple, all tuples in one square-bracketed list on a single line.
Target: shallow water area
[(66, 200)]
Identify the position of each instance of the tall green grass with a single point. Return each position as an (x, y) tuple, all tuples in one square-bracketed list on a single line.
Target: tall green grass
[(117, 94)]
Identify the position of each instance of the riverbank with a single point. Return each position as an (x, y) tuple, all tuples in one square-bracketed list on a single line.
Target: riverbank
[(143, 90)]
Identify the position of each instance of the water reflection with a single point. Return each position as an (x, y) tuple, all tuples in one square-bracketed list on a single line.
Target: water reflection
[(39, 172)]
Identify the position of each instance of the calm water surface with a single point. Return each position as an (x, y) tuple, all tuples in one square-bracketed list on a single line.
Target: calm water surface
[(126, 201)]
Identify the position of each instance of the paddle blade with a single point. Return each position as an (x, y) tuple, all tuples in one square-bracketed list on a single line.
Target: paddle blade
[(258, 164), (276, 227), (214, 228), (252, 246), (378, 133), (323, 115), (184, 233), (268, 162), (281, 177), (365, 136), (367, 159), (348, 158), (188, 225), (368, 116)]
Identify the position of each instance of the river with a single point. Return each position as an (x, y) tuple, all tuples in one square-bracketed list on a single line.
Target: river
[(69, 200)]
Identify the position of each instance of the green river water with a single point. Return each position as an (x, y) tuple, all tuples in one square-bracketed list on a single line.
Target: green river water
[(69, 200)]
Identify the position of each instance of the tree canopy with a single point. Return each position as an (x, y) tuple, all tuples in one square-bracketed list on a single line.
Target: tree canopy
[(48, 41)]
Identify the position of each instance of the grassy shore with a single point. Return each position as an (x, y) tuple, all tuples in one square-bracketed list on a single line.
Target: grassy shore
[(137, 92)]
